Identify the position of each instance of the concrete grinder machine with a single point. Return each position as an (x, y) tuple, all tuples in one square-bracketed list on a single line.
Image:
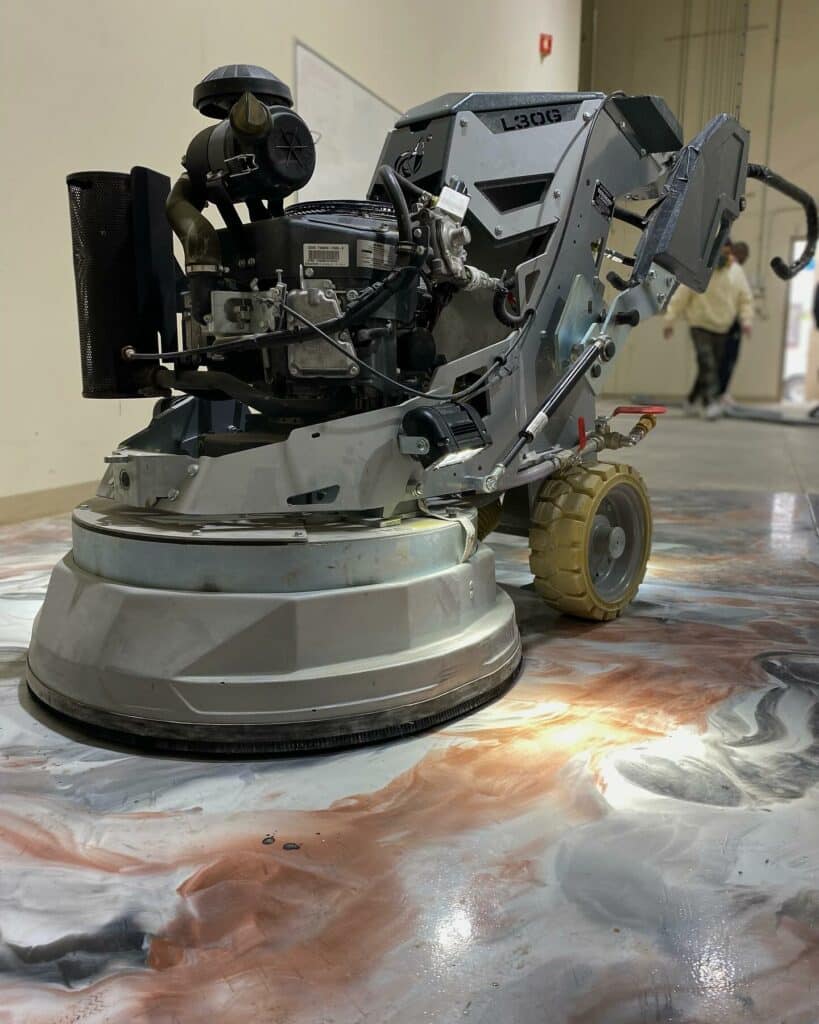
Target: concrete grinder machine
[(289, 555)]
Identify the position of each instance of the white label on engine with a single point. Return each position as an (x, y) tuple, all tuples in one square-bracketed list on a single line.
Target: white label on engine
[(378, 255), (326, 255)]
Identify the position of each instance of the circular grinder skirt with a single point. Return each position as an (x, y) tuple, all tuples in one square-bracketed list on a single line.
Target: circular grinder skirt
[(279, 672)]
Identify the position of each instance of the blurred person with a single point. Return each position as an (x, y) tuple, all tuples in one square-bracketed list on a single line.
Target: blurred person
[(710, 315), (740, 252)]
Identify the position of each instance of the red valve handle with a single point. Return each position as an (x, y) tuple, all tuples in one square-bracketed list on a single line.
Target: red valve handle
[(640, 410)]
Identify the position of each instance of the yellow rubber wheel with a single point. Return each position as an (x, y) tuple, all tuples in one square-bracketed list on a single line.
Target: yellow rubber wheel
[(590, 539), (489, 517)]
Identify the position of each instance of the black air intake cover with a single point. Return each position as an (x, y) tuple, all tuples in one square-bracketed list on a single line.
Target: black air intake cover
[(124, 273)]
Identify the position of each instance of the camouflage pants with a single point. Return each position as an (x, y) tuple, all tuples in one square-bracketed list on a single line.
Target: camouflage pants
[(709, 348)]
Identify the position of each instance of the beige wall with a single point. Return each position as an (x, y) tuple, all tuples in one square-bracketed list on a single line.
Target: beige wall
[(639, 49), (106, 84)]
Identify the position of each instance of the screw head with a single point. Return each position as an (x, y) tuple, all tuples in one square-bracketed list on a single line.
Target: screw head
[(173, 495), (587, 116), (308, 271), (193, 470), (556, 193), (498, 231)]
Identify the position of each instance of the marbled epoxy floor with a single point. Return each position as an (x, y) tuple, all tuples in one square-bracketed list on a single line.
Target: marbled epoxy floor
[(630, 835)]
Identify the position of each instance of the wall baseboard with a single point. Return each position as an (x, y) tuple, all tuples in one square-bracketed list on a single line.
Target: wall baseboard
[(15, 508)]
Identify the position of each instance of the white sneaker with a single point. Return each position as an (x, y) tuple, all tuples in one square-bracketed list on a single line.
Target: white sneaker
[(713, 410), (690, 409)]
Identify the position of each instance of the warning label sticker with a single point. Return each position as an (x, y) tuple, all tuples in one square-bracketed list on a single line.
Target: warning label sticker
[(603, 200), (377, 255), (326, 254)]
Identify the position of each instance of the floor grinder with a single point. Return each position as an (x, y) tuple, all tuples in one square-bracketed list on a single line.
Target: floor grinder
[(350, 394)]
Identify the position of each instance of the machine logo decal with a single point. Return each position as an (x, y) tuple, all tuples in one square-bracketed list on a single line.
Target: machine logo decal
[(409, 162), (603, 200)]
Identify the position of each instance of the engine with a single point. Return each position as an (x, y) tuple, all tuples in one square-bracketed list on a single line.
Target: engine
[(313, 310)]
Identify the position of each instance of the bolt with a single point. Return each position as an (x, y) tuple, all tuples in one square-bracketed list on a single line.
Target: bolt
[(353, 370), (251, 261), (417, 233), (587, 116), (173, 495), (622, 126), (420, 250), (193, 470), (660, 298), (352, 295), (642, 152), (416, 490), (651, 275), (556, 193), (308, 272), (294, 371), (596, 370), (463, 122), (498, 231), (242, 263)]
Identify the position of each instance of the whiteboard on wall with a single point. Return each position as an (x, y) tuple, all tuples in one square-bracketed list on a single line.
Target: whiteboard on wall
[(349, 123)]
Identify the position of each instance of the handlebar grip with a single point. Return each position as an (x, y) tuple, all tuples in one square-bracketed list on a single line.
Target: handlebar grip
[(775, 181)]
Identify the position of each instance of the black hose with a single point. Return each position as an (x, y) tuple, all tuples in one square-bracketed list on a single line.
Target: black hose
[(395, 194), (786, 271), (411, 187), (502, 312)]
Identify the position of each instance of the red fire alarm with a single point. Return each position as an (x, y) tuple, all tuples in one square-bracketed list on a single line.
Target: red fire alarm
[(545, 45)]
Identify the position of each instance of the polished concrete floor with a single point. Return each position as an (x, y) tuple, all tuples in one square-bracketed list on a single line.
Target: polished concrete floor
[(630, 835)]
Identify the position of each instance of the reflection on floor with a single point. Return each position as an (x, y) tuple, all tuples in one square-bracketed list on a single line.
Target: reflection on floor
[(630, 834)]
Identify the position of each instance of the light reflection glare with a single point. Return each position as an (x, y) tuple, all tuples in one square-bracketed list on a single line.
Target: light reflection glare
[(682, 743), (454, 930)]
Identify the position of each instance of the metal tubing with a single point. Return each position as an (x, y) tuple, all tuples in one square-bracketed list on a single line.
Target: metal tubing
[(554, 399), (196, 233)]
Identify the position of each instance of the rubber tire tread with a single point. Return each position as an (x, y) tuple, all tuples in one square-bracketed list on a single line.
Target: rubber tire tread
[(561, 521)]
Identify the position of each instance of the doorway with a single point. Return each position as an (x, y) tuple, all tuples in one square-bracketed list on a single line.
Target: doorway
[(800, 357)]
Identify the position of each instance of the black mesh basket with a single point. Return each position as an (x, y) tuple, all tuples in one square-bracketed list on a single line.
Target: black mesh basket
[(124, 278)]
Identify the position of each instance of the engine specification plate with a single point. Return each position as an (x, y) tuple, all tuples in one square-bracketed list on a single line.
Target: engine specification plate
[(377, 255), (326, 254)]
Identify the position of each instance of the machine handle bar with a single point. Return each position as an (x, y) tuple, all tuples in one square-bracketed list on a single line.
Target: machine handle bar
[(775, 181)]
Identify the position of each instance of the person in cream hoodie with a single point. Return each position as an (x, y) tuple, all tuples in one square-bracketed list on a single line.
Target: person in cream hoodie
[(710, 315)]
